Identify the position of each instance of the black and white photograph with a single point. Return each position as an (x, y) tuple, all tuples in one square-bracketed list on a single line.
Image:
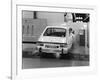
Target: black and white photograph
[(51, 40), (55, 39)]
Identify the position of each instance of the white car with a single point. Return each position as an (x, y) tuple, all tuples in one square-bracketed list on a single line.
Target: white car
[(55, 39)]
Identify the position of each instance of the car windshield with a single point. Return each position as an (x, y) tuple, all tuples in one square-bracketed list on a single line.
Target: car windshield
[(57, 32)]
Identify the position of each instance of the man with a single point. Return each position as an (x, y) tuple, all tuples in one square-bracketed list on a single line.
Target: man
[(71, 38)]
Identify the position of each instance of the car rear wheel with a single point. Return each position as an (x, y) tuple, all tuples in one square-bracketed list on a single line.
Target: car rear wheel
[(42, 55), (69, 55)]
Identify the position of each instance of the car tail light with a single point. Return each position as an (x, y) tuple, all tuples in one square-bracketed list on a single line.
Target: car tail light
[(40, 44)]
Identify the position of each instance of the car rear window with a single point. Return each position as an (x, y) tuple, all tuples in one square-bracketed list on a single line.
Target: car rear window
[(57, 32)]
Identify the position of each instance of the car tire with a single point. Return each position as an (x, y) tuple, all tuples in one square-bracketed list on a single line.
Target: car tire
[(69, 55)]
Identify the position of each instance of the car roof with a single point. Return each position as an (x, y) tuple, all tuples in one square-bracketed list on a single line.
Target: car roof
[(57, 27)]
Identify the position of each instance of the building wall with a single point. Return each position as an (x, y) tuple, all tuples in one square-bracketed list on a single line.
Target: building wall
[(53, 18), (28, 14), (32, 28)]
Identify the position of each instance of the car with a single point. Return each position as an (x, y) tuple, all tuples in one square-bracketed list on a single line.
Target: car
[(55, 39)]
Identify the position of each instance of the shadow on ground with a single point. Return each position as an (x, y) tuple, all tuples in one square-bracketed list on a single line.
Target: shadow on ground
[(69, 56)]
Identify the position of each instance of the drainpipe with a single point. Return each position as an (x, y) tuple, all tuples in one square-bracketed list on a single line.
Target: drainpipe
[(35, 15)]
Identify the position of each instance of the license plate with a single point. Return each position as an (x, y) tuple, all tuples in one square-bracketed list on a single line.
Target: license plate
[(51, 46)]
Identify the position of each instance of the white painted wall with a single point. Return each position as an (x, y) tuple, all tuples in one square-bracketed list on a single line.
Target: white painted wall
[(52, 17), (28, 14)]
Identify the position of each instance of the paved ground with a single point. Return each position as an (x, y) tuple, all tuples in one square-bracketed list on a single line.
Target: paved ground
[(36, 62)]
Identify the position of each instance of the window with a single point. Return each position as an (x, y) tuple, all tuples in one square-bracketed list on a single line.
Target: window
[(57, 32)]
